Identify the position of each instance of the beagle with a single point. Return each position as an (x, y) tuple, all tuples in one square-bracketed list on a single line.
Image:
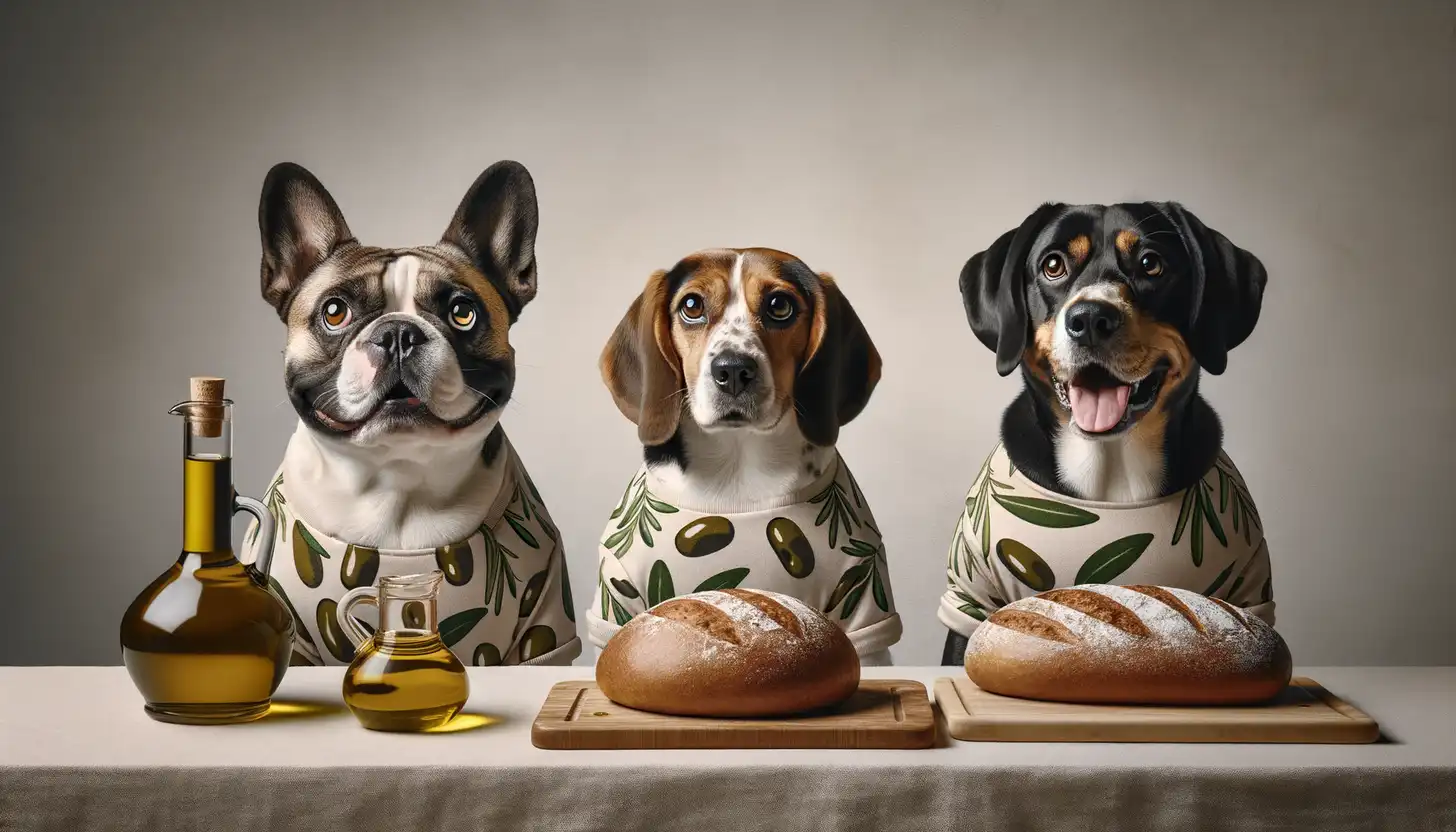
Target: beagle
[(739, 367)]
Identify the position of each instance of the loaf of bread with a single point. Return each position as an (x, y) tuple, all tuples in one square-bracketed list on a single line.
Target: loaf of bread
[(1128, 644), (729, 653)]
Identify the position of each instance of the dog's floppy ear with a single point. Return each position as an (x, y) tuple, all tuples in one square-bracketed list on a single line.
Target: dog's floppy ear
[(993, 289), (301, 225), (495, 226), (842, 368), (1228, 289), (641, 367)]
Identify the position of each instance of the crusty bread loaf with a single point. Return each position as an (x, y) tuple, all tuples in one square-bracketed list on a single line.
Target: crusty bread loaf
[(1128, 644), (729, 653)]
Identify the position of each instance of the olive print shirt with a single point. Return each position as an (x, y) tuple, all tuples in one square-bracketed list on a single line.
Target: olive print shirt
[(821, 546), (505, 598), (1014, 540)]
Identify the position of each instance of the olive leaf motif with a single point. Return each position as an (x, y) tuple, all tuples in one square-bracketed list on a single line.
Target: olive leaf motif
[(636, 516), (983, 488), (568, 605), (837, 511), (1194, 514), (1218, 582), (970, 606), (727, 579), (1048, 514), (868, 575), (529, 500), (274, 501), (1234, 497), (499, 576), (1112, 560), (459, 625), (610, 605), (659, 584)]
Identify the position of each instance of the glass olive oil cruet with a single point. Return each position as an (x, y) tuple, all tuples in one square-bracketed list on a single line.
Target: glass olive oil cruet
[(207, 642), (403, 677)]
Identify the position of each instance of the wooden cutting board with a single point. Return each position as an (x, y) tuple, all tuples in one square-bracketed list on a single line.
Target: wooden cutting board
[(1305, 713), (883, 713)]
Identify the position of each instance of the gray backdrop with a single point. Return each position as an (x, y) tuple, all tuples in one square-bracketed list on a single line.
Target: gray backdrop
[(882, 143)]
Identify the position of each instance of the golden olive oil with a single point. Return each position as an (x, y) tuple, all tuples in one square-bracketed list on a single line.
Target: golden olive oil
[(405, 682), (207, 642)]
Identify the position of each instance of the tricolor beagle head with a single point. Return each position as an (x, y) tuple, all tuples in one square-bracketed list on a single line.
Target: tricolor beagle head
[(386, 341), (1111, 309), (740, 340)]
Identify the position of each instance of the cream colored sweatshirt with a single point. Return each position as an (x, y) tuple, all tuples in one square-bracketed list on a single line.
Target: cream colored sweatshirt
[(1015, 539)]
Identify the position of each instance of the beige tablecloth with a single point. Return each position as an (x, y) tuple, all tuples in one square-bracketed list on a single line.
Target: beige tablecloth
[(76, 752)]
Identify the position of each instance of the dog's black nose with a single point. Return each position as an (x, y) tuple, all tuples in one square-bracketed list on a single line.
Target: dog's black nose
[(734, 372), (1091, 322), (397, 338)]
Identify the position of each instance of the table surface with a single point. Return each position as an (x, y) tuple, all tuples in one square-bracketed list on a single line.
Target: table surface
[(77, 752), (92, 717)]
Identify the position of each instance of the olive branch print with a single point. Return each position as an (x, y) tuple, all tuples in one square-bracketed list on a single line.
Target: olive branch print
[(1196, 512), (499, 576), (611, 607), (1243, 511), (970, 606), (528, 499), (637, 518), (273, 500), (978, 505), (837, 511), (866, 575)]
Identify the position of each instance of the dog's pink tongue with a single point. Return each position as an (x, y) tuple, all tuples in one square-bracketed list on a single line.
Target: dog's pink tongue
[(1099, 409)]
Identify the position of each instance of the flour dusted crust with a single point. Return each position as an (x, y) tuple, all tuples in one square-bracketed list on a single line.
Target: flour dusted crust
[(1128, 644), (729, 653)]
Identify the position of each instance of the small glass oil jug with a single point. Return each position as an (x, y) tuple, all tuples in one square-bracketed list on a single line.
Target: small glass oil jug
[(403, 677), (207, 642)]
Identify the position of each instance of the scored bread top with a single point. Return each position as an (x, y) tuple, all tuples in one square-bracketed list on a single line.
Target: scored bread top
[(736, 615), (1102, 616)]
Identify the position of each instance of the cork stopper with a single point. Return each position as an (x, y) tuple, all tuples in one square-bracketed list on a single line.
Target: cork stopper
[(207, 421)]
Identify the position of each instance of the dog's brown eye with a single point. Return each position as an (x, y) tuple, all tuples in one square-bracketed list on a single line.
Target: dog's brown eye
[(1151, 264), (336, 314), (1053, 266), (692, 310), (462, 314), (779, 307)]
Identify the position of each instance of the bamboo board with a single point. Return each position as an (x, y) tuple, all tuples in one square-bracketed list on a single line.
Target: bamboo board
[(1305, 713), (883, 713)]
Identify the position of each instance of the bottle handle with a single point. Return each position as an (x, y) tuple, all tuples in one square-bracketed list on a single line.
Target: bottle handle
[(263, 560), (352, 629)]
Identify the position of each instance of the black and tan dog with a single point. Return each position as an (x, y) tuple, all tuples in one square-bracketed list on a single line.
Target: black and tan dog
[(1110, 468)]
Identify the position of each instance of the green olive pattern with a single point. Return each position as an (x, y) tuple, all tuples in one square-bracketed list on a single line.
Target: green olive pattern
[(486, 655), (457, 561), (704, 536), (337, 643), (359, 567), (308, 557), (1025, 565), (532, 593), (537, 641), (413, 615), (792, 547), (625, 588)]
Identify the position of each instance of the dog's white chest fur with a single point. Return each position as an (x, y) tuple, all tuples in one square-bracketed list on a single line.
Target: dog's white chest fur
[(402, 492), (1108, 470)]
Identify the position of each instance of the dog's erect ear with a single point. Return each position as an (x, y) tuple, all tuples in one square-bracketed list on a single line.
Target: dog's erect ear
[(301, 225), (993, 289), (1228, 289), (495, 226), (641, 367), (841, 371)]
